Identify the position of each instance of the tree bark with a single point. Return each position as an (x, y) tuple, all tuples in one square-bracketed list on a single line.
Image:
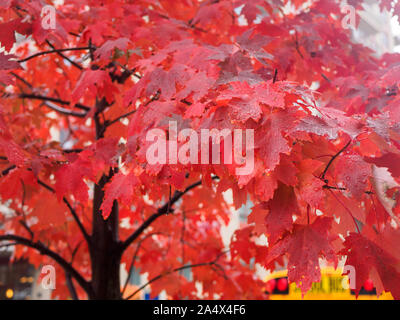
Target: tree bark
[(104, 249)]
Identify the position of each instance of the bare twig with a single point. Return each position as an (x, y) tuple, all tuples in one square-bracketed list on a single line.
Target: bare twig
[(55, 100), (70, 286), (333, 159), (75, 64), (53, 51)]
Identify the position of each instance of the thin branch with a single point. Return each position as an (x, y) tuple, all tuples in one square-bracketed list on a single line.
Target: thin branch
[(275, 76), (111, 122), (72, 150), (333, 159), (75, 64), (53, 51), (21, 79), (39, 246), (56, 100), (7, 170), (64, 111), (91, 49), (77, 220), (132, 72), (298, 47), (341, 189), (75, 251), (26, 227), (120, 117), (134, 259), (8, 245), (70, 286)]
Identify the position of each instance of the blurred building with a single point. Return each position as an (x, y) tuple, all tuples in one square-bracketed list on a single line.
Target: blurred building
[(377, 29), (16, 278)]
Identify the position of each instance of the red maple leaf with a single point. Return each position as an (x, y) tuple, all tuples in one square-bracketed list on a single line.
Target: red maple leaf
[(372, 262), (6, 63), (304, 246)]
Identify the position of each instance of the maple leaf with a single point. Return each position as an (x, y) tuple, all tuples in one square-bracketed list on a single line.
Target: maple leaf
[(95, 81), (14, 181), (270, 95), (50, 212), (166, 81), (70, 179), (286, 171), (356, 182), (194, 110), (270, 139), (243, 246), (105, 50), (250, 11), (15, 154), (282, 207), (5, 4), (197, 86), (385, 4), (6, 63), (254, 44), (304, 246), (8, 29), (265, 186), (235, 67), (257, 217), (310, 188), (121, 187), (370, 260), (389, 160), (6, 78)]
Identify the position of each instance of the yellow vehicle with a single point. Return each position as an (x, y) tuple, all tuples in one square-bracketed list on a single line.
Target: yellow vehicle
[(329, 288)]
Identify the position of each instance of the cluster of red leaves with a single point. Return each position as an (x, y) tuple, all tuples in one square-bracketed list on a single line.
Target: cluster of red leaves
[(327, 162)]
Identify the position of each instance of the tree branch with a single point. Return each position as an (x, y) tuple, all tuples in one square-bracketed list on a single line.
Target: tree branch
[(52, 51), (7, 170), (165, 209), (75, 64), (64, 111), (71, 209), (71, 286), (56, 100), (332, 159), (134, 259), (120, 117), (342, 189), (55, 256), (111, 122)]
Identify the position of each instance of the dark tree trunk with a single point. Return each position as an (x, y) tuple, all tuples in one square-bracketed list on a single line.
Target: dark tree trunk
[(104, 249)]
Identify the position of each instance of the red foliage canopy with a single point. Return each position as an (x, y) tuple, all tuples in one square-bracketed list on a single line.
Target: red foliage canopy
[(78, 100)]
